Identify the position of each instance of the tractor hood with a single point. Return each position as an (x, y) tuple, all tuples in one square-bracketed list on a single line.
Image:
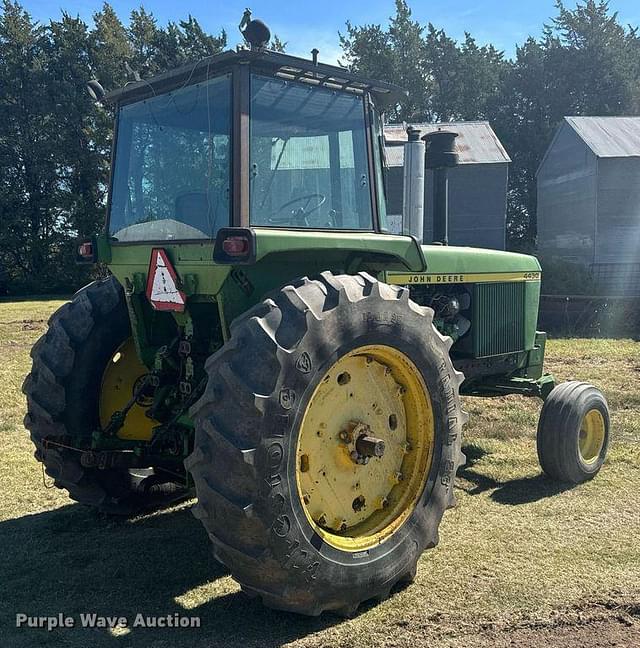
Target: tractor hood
[(459, 265)]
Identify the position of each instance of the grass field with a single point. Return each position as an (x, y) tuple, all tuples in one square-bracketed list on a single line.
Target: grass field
[(521, 562)]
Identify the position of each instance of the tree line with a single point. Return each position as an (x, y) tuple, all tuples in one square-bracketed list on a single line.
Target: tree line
[(55, 142)]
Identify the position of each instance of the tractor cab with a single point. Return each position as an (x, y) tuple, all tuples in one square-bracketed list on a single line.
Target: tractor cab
[(251, 138)]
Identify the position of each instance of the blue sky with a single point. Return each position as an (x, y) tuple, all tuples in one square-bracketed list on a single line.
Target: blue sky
[(304, 25)]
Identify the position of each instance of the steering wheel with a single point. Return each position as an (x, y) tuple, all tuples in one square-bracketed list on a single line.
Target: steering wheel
[(297, 216)]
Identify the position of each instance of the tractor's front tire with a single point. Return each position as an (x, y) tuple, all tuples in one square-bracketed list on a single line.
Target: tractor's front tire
[(573, 432), (327, 443), (63, 391)]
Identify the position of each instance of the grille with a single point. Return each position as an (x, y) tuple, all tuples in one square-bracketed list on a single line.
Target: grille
[(498, 318)]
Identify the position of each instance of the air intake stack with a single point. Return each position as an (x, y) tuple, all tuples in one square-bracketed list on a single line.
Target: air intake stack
[(441, 156)]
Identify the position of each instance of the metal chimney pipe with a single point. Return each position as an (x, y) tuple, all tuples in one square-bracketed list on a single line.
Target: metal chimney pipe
[(413, 186), (441, 156)]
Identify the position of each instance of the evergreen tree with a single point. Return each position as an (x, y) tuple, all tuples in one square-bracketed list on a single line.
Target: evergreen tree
[(466, 77), (144, 37), (29, 204), (110, 48), (522, 123), (407, 46), (595, 58), (76, 127), (395, 55)]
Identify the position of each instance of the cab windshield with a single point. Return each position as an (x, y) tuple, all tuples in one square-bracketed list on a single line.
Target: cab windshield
[(171, 177), (309, 165)]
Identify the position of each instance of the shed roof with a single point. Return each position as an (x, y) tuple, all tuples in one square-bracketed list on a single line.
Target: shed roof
[(609, 137), (476, 142)]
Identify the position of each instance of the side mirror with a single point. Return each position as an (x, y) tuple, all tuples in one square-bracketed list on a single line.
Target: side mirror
[(95, 90)]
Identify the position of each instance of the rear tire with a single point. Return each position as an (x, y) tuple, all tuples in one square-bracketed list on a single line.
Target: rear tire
[(248, 425), (63, 390), (573, 432)]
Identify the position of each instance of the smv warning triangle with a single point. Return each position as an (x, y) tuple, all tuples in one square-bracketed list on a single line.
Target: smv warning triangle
[(162, 283)]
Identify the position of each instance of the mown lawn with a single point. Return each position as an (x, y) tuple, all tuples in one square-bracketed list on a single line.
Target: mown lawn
[(519, 553)]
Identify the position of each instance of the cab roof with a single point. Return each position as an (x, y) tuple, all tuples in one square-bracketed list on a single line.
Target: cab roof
[(277, 64)]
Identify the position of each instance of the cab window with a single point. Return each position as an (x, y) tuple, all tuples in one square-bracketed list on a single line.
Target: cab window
[(308, 157)]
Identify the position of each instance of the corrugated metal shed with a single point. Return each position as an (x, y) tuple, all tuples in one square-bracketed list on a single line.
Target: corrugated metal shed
[(589, 199), (476, 142), (477, 187)]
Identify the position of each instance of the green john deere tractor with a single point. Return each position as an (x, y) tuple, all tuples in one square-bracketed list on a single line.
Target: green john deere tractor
[(264, 338)]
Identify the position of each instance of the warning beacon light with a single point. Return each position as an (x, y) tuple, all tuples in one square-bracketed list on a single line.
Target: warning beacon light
[(254, 31)]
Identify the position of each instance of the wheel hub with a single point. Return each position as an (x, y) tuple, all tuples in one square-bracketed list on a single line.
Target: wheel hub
[(363, 444), (120, 381), (591, 437), (369, 446), (368, 424)]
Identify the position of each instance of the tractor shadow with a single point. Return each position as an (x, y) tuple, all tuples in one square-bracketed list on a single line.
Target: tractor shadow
[(513, 492), (73, 560)]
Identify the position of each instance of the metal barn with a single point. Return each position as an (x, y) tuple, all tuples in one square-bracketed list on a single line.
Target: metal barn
[(477, 187), (589, 199)]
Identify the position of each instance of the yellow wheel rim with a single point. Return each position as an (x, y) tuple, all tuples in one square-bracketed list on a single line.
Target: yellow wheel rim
[(119, 381), (353, 498), (592, 434)]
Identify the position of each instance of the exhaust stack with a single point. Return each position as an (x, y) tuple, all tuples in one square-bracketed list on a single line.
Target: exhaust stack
[(441, 156), (413, 186)]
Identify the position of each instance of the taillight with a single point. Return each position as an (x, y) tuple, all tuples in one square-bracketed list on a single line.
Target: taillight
[(86, 250), (235, 245)]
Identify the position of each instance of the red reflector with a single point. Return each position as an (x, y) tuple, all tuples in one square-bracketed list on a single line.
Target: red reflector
[(85, 250), (235, 246)]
